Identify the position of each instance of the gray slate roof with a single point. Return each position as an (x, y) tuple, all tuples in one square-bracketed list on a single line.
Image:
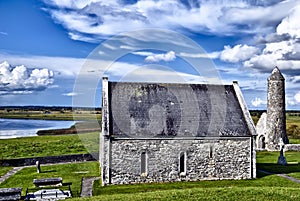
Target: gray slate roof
[(181, 110)]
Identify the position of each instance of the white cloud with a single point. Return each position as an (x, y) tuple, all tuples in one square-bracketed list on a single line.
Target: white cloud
[(297, 97), (62, 66), (22, 80), (212, 55), (238, 53), (169, 56), (258, 102), (3, 33), (105, 18), (143, 53), (290, 24), (284, 54), (70, 94)]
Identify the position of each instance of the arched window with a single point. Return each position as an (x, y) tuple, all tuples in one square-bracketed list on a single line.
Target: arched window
[(144, 163), (182, 163)]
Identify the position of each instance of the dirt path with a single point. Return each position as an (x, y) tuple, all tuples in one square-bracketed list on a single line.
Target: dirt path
[(10, 173), (87, 186)]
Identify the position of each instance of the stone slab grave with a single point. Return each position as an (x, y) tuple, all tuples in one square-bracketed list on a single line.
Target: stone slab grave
[(10, 194), (48, 182), (49, 194)]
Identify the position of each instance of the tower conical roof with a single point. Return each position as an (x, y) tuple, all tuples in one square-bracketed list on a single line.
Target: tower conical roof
[(276, 74)]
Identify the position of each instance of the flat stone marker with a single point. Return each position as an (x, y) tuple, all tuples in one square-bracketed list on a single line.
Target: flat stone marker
[(10, 194), (48, 182)]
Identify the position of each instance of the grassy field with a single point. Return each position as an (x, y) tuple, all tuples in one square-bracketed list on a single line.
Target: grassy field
[(69, 172), (49, 145), (4, 170), (222, 194), (267, 161), (265, 187), (53, 115)]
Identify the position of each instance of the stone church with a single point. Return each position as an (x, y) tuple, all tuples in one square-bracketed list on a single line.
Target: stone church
[(166, 132), (271, 127)]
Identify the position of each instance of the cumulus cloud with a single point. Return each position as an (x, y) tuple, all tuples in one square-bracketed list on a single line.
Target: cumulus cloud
[(169, 56), (238, 53), (87, 20), (297, 97), (258, 102), (22, 80), (290, 24), (285, 54)]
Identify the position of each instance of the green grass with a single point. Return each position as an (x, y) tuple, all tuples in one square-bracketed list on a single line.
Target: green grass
[(69, 172), (49, 145), (292, 157), (4, 170), (223, 193), (267, 161), (265, 187), (292, 120), (294, 141)]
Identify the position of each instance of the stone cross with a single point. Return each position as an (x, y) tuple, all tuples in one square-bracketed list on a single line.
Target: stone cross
[(281, 158)]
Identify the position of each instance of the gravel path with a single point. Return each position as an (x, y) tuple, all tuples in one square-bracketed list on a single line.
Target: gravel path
[(87, 186), (282, 175), (10, 173)]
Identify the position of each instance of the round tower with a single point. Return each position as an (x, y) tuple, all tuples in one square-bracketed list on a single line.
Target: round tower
[(276, 124)]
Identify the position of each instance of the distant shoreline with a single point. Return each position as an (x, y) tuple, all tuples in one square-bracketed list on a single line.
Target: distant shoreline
[(77, 128)]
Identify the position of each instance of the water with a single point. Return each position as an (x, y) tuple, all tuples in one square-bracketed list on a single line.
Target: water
[(13, 128)]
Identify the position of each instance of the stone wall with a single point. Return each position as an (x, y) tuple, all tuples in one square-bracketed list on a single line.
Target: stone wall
[(292, 147), (206, 159), (47, 159)]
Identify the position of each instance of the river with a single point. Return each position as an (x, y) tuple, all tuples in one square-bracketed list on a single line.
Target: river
[(13, 128)]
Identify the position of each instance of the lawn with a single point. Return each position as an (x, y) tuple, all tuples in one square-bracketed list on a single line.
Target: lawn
[(267, 161), (49, 145), (69, 172), (265, 187), (223, 194), (4, 170)]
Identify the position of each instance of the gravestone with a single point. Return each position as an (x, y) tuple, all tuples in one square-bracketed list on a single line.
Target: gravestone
[(10, 194), (38, 166), (281, 158)]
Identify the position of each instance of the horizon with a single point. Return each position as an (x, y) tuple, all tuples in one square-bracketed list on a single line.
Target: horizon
[(49, 45)]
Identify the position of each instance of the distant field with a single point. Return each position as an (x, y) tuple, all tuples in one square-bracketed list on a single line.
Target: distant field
[(50, 115), (49, 145), (292, 123)]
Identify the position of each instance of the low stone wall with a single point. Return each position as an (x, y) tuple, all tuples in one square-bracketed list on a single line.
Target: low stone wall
[(46, 160), (292, 147)]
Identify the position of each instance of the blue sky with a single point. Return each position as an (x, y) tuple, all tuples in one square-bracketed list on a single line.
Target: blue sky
[(55, 51)]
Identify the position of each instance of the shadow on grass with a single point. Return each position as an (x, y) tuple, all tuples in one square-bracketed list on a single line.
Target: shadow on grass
[(277, 169), (47, 171)]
